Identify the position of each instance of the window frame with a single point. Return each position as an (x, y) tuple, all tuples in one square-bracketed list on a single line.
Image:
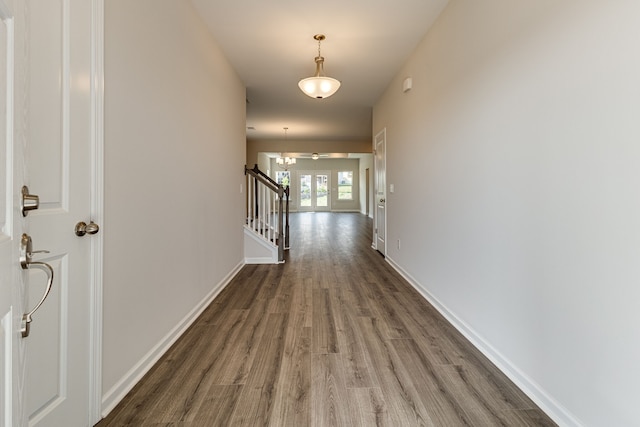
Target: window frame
[(350, 184)]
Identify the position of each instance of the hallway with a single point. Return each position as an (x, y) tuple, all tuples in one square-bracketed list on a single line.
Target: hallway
[(332, 337)]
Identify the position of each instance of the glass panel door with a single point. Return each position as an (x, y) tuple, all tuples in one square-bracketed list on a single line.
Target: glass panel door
[(322, 191), (305, 191), (314, 194)]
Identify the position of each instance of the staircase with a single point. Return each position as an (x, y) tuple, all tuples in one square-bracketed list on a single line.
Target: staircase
[(266, 228)]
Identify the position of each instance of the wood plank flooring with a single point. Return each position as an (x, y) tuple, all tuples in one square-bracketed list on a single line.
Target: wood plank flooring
[(333, 337)]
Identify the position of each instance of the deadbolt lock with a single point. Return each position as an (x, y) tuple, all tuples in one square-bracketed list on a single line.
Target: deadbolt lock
[(29, 202)]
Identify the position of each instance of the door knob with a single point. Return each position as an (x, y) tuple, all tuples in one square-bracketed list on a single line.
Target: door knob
[(28, 202), (83, 228)]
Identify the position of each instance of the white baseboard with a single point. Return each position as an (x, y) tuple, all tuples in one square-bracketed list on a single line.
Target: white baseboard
[(265, 260), (529, 387), (112, 397)]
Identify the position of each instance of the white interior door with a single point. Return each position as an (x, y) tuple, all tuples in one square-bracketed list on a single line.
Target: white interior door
[(50, 151), (11, 296), (381, 192), (314, 191)]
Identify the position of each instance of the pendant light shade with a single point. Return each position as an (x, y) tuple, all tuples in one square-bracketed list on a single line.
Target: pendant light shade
[(319, 86)]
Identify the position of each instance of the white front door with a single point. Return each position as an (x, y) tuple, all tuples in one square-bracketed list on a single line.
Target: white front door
[(54, 103), (314, 191), (381, 192), (11, 291)]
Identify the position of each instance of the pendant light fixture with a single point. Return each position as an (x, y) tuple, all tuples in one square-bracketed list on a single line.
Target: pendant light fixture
[(319, 86), (285, 162)]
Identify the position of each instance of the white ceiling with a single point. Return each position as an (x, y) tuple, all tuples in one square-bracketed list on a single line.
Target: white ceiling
[(270, 44)]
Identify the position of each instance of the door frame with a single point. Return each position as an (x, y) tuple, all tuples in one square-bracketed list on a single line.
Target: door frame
[(367, 192), (97, 209), (314, 183), (382, 134)]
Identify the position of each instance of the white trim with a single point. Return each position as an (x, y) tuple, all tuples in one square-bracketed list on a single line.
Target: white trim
[(268, 246), (529, 387), (374, 244), (131, 378), (97, 209), (313, 190), (261, 260)]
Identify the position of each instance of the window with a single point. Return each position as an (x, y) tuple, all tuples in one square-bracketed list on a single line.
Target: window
[(283, 178), (345, 185)]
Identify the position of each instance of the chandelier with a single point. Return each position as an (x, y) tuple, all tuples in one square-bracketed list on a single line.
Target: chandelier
[(285, 162), (319, 86)]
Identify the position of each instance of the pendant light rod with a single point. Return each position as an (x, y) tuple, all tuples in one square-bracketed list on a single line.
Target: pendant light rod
[(319, 86), (319, 59)]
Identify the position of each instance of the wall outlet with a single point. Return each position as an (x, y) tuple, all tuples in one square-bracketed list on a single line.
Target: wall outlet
[(398, 244)]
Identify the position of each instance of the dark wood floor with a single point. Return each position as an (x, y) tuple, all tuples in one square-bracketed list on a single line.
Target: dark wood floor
[(333, 337)]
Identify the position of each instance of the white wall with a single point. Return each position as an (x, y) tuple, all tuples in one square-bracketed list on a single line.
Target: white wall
[(173, 211), (515, 160), (264, 163)]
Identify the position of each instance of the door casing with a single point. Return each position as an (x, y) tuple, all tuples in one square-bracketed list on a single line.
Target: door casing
[(314, 174), (380, 164)]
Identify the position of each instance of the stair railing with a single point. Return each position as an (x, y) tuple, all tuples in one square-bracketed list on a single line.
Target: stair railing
[(268, 209)]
